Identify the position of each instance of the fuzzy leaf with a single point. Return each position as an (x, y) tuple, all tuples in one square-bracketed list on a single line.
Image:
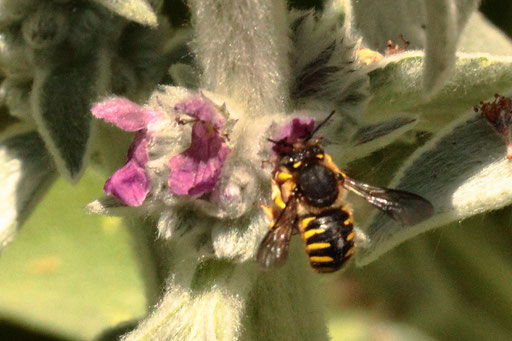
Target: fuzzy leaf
[(463, 171), (61, 101), (480, 35), (431, 24), (26, 172), (397, 88), (136, 10), (377, 136)]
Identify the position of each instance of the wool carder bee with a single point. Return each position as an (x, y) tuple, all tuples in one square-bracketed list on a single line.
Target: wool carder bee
[(308, 192)]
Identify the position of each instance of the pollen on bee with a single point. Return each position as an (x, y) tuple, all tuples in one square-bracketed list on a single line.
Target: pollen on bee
[(283, 176), (297, 164)]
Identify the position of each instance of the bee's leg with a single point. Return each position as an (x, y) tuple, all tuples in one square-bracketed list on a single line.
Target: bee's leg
[(277, 196), (271, 214), (266, 162)]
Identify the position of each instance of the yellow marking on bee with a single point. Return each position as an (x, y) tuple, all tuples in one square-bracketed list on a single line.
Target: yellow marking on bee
[(297, 164), (319, 156), (350, 252), (311, 233), (282, 176), (321, 259), (328, 158), (317, 246), (305, 222), (351, 236), (348, 221)]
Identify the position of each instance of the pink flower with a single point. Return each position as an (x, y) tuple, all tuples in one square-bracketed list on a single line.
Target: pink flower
[(298, 128), (196, 171), (130, 184)]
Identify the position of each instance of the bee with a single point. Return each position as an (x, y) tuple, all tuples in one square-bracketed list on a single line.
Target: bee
[(309, 192)]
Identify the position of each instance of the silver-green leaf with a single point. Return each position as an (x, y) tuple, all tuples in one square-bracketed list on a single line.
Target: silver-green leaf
[(463, 171), (397, 88), (61, 101), (136, 10), (25, 174)]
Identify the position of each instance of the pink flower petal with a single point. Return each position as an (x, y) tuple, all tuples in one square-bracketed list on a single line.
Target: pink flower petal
[(123, 113), (202, 109), (130, 184), (197, 170), (138, 150), (298, 128)]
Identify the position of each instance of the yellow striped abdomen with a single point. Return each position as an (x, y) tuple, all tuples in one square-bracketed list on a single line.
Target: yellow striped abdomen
[(328, 239)]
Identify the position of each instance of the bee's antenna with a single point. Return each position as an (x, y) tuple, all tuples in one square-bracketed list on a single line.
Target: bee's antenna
[(320, 125), (280, 142)]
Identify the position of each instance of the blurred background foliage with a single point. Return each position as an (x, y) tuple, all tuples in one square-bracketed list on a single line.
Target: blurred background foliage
[(71, 276)]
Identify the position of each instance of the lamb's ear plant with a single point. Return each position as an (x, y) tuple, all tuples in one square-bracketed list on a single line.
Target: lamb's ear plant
[(202, 103)]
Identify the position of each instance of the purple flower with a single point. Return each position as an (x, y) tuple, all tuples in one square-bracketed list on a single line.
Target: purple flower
[(196, 171), (298, 128), (130, 184)]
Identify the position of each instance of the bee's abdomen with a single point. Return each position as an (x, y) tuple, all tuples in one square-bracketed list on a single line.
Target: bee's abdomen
[(329, 239)]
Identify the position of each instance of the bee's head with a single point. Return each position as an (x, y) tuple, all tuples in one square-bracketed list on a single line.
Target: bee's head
[(300, 155), (298, 147)]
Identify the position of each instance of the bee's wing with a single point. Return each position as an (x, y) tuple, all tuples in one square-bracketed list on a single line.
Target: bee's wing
[(404, 207), (273, 249)]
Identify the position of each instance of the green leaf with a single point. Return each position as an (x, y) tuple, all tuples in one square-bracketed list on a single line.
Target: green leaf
[(61, 101), (397, 88), (71, 274), (136, 10), (26, 172), (463, 171), (434, 25), (376, 136), (481, 35)]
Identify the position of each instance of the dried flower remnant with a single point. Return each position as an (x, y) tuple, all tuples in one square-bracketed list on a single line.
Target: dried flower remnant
[(390, 49), (499, 114)]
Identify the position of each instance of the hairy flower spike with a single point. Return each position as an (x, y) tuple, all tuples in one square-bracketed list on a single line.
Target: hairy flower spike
[(499, 114), (155, 163)]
